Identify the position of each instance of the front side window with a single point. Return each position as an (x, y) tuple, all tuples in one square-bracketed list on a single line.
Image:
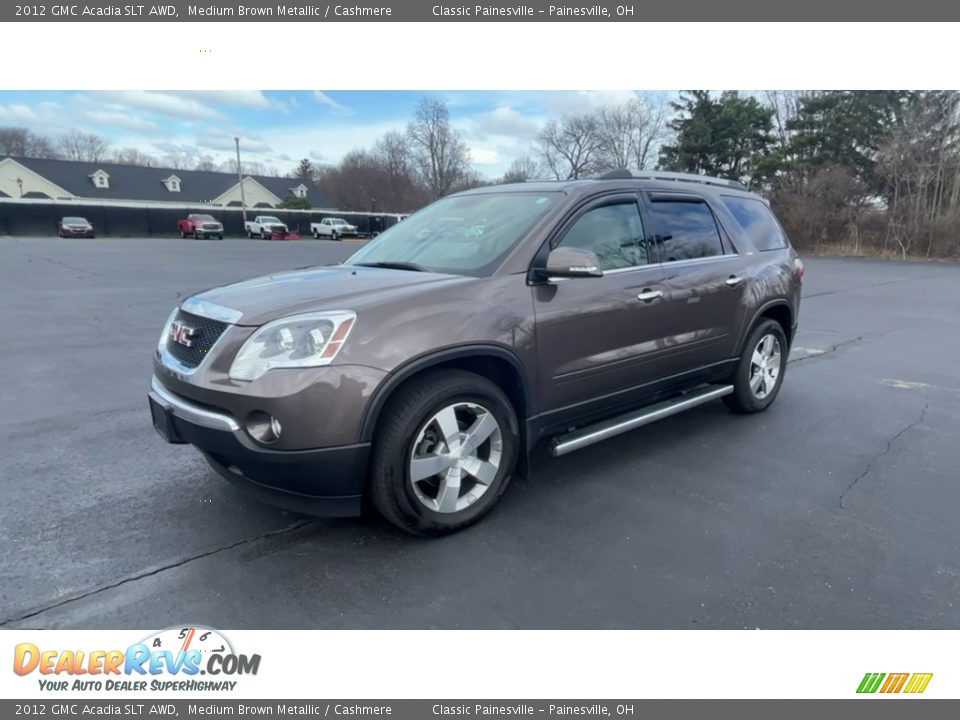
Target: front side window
[(685, 230), (463, 234), (613, 232), (757, 221)]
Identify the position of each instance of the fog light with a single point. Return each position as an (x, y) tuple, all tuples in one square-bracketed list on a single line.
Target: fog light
[(263, 427)]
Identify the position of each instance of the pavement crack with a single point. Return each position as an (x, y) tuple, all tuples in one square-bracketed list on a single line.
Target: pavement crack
[(883, 453), (156, 571), (829, 351)]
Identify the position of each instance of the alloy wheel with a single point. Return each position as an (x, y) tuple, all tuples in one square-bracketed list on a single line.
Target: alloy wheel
[(765, 366), (455, 457)]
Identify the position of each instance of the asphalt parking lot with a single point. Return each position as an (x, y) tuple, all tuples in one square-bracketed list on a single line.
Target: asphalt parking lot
[(835, 509)]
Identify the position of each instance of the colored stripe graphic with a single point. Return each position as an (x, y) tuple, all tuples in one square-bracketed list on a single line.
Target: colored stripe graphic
[(894, 683), (870, 682), (918, 682)]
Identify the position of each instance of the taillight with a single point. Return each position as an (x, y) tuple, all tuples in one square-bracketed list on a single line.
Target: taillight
[(798, 268)]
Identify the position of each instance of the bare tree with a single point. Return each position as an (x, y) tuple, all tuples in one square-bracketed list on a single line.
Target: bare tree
[(439, 152), (570, 147), (132, 156), (521, 169), (81, 146), (629, 133), (20, 142), (206, 163)]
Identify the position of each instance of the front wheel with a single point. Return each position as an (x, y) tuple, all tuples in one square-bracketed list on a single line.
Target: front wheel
[(334, 235), (445, 450), (264, 235), (759, 372)]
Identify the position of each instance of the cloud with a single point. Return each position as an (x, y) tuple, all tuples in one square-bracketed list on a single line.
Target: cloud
[(504, 121), (483, 156), (162, 103), (571, 103), (231, 98), (324, 99), (215, 138), (120, 119), (18, 114)]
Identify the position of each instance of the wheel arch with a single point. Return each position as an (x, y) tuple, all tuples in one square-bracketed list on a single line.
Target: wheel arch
[(494, 362), (779, 310)]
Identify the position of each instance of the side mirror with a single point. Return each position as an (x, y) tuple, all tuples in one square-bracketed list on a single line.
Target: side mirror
[(567, 262)]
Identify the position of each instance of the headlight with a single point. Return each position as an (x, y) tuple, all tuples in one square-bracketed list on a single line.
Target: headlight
[(308, 340), (162, 343)]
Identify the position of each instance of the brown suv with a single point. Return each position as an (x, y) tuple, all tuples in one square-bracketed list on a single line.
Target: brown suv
[(421, 372)]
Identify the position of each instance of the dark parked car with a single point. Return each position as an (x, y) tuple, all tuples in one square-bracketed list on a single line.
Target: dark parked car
[(75, 227), (422, 371)]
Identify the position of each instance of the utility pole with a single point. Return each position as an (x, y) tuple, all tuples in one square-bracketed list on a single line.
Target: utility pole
[(243, 196)]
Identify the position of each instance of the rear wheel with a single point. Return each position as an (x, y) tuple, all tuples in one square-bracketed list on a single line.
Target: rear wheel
[(316, 234), (759, 373), (446, 448), (183, 235), (249, 234)]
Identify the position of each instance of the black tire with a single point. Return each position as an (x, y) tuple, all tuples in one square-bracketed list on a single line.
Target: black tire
[(196, 234), (334, 236), (744, 399), (263, 235), (60, 233), (404, 416), (316, 234), (249, 235), (183, 235), (220, 236)]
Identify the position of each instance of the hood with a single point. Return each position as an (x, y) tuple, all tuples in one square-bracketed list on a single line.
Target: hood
[(338, 287)]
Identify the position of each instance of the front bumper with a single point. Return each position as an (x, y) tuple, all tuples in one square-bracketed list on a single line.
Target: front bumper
[(326, 481)]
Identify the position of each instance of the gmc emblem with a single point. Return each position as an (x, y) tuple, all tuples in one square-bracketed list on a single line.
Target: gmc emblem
[(182, 334)]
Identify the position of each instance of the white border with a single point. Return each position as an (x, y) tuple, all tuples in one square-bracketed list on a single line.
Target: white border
[(483, 55), (544, 664)]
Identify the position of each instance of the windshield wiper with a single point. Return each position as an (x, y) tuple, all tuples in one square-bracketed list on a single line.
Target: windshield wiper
[(394, 265)]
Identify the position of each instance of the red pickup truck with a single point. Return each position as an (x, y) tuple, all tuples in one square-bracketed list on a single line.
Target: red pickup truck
[(199, 226)]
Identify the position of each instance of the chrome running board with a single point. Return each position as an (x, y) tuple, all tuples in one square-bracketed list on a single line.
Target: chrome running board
[(624, 423)]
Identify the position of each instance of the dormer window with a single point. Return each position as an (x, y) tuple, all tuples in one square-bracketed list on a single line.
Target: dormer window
[(100, 179), (300, 191), (172, 183)]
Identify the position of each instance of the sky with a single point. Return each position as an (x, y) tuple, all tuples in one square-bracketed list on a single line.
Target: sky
[(277, 128)]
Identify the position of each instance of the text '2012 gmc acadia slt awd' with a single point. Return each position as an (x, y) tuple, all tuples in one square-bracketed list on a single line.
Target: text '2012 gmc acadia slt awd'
[(421, 372)]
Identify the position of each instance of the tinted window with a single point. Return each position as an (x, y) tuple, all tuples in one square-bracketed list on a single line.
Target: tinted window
[(757, 222), (685, 230), (462, 234), (613, 232)]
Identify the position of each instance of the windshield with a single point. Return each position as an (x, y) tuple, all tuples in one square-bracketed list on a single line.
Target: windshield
[(203, 218), (270, 219), (75, 220), (338, 221), (464, 235)]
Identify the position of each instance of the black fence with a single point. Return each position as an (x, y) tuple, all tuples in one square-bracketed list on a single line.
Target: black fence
[(129, 220)]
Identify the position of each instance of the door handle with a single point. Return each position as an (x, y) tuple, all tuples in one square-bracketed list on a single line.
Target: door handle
[(733, 281), (649, 295)]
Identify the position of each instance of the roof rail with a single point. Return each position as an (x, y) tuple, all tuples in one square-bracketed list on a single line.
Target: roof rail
[(674, 176)]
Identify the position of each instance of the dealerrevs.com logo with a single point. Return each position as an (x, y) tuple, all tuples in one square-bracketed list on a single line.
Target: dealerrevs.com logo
[(173, 659), (891, 683)]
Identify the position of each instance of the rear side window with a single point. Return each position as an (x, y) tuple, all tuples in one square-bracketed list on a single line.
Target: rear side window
[(758, 222), (685, 230)]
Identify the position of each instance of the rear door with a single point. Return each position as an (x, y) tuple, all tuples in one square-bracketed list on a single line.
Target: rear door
[(704, 279), (596, 336)]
